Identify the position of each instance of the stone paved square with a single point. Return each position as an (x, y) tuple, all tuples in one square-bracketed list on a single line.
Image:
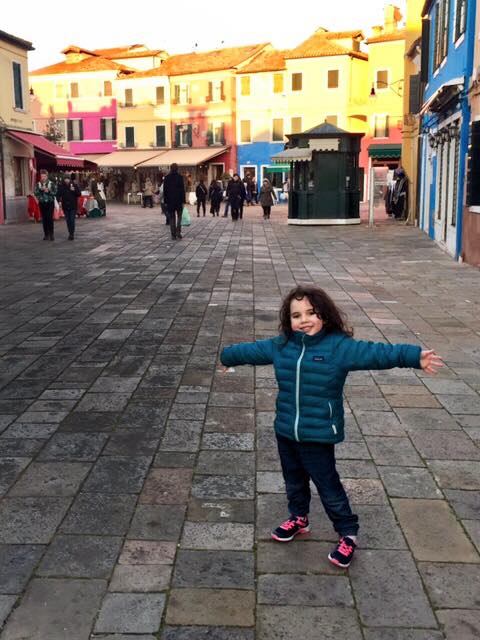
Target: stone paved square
[(139, 484)]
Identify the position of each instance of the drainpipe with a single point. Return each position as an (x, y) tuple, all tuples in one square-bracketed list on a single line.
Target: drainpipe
[(2, 172)]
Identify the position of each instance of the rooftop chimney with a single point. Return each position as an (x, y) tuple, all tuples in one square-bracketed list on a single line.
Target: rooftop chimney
[(392, 18)]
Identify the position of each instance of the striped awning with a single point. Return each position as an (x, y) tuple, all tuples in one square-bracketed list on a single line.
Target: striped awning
[(293, 155), (385, 151)]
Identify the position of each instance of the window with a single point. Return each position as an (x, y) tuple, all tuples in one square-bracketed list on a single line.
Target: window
[(62, 128), (108, 129), (17, 85), (381, 127), (107, 88), (277, 130), (74, 129), (160, 135), (129, 136), (278, 83), (184, 135), (181, 93), (160, 97), (19, 173), (129, 97), (217, 91), (473, 167), (219, 133), (333, 76), (441, 31), (245, 131), (296, 125), (59, 90), (333, 120), (74, 89), (460, 18), (296, 81), (382, 80), (245, 85)]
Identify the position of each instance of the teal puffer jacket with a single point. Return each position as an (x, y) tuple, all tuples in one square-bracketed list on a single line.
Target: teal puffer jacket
[(311, 373)]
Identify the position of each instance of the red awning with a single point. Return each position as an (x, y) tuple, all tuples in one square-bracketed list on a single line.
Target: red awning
[(44, 146)]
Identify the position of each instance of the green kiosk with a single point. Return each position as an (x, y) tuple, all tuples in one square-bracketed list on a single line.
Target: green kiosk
[(324, 176)]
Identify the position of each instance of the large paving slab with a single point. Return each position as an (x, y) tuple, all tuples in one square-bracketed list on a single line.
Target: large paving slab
[(139, 485)]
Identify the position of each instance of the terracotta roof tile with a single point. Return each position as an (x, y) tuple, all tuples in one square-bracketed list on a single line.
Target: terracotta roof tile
[(342, 35), (265, 61), (92, 63), (388, 37), (114, 51), (202, 62), (318, 46)]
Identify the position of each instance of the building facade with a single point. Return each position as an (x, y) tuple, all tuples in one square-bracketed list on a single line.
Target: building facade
[(285, 92), (16, 157), (447, 60), (471, 212), (413, 91)]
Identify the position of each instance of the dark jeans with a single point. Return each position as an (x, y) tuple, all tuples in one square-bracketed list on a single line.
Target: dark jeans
[(240, 210), (70, 220), (302, 461), (266, 211), (46, 209), (147, 200), (200, 203), (215, 209), (175, 216)]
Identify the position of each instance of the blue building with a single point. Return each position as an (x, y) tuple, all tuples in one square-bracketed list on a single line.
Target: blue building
[(255, 159), (448, 40)]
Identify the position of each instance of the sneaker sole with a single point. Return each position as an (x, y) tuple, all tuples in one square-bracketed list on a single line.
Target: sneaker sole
[(304, 530), (337, 563)]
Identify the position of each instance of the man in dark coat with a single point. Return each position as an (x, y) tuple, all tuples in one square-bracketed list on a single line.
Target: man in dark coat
[(68, 194), (235, 195), (174, 198), (201, 193)]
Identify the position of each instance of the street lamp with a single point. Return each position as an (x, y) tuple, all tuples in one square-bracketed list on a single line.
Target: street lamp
[(373, 93)]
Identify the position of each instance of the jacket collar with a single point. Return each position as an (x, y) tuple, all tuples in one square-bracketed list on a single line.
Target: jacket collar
[(302, 338)]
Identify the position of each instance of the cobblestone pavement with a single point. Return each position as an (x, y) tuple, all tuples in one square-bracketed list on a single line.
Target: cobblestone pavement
[(140, 485)]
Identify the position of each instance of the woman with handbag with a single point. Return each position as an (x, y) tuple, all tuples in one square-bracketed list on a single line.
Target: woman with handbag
[(267, 198)]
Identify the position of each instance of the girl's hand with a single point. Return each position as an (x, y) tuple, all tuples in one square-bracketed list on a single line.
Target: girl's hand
[(430, 362)]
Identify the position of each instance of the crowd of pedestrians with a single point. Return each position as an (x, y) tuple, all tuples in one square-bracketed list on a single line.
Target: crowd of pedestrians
[(171, 194)]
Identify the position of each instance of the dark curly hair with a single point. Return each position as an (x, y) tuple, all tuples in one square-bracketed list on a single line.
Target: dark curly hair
[(334, 319)]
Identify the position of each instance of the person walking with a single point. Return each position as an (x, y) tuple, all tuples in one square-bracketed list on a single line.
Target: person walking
[(45, 192), (267, 198), (68, 194), (216, 197), (312, 357), (243, 196), (235, 191), (148, 194), (201, 194), (174, 197), (97, 190)]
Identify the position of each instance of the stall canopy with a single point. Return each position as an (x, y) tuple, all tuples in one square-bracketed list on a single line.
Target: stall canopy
[(49, 154), (385, 151), (184, 157), (298, 154), (120, 159)]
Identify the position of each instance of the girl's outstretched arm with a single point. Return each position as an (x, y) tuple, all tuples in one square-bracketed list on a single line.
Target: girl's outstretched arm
[(255, 353)]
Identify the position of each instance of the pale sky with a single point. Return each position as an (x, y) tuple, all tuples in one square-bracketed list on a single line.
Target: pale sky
[(177, 25)]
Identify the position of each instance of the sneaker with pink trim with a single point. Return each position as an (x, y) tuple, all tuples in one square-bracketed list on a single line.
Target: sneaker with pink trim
[(342, 555), (289, 529)]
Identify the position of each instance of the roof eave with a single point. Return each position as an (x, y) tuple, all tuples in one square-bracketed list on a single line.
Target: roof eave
[(18, 42)]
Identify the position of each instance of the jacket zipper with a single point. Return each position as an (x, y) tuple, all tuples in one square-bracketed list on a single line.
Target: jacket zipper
[(297, 391), (334, 427)]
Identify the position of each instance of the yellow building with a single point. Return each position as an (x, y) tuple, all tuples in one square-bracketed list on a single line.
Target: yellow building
[(15, 156), (283, 92), (411, 101)]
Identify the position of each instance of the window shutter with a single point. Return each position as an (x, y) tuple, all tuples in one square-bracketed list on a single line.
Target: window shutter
[(177, 135), (189, 135), (210, 92), (103, 133), (80, 128), (425, 49), (160, 136), (210, 135), (414, 98), (17, 85), (69, 130), (473, 167), (222, 133), (222, 91), (114, 128)]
